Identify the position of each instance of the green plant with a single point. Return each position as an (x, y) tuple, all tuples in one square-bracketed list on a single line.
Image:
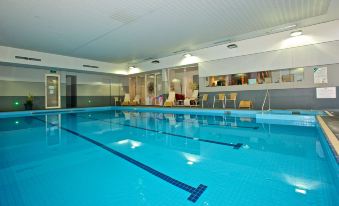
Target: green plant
[(193, 86)]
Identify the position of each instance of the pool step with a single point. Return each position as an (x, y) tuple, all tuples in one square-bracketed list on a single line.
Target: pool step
[(286, 119)]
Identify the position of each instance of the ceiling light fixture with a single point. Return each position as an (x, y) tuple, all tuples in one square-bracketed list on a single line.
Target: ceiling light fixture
[(232, 46), (187, 55), (131, 67), (296, 33)]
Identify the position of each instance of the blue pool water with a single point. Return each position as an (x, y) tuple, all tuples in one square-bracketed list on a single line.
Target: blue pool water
[(145, 158)]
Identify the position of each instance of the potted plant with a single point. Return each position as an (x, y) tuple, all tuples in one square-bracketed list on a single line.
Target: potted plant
[(29, 102)]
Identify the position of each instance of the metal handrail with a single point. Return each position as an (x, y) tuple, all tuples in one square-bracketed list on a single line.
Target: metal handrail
[(269, 101)]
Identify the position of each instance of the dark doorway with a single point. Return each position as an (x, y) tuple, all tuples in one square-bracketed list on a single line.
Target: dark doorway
[(71, 91)]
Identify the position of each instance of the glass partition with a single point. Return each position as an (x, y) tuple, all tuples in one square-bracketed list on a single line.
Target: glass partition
[(253, 78), (140, 88), (183, 81), (150, 89), (148, 86)]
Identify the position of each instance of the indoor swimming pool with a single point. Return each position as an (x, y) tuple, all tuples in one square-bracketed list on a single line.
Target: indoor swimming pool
[(164, 157)]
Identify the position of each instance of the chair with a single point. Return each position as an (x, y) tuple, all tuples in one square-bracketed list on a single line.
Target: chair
[(204, 99), (232, 97), (245, 104), (219, 97), (170, 100), (136, 100), (193, 98), (127, 100), (116, 99)]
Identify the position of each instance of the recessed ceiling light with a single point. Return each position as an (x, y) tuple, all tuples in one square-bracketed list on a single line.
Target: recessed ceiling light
[(155, 61), (296, 33), (232, 46), (131, 67), (187, 55)]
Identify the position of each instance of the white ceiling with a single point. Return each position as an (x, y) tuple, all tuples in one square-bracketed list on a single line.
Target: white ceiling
[(132, 30)]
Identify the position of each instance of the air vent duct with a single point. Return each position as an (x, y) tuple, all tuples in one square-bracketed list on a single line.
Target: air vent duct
[(232, 46), (222, 42), (90, 66), (21, 57), (28, 58), (34, 59), (179, 51)]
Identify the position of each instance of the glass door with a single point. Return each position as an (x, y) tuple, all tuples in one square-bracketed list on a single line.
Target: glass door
[(52, 91)]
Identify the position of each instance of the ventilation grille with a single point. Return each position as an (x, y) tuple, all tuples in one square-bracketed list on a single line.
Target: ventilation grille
[(149, 58), (222, 42), (28, 58), (179, 51), (90, 66)]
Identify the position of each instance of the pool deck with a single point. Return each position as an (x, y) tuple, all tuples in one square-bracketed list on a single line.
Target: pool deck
[(330, 127)]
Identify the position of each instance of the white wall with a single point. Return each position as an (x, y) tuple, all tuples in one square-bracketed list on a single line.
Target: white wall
[(21, 81), (7, 55), (303, 56), (317, 46), (308, 82)]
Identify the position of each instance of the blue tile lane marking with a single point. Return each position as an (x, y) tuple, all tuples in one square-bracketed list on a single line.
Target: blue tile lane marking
[(195, 193), (235, 146)]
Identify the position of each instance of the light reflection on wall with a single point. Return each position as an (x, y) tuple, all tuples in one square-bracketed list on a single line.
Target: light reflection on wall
[(297, 41), (134, 70), (190, 60)]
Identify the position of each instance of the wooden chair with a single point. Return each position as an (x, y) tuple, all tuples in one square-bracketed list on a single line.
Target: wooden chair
[(204, 99), (245, 104), (232, 97), (219, 97)]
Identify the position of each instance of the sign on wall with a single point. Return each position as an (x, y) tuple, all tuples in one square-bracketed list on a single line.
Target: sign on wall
[(320, 75), (326, 93)]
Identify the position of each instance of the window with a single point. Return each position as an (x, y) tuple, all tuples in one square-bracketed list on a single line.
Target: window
[(261, 77)]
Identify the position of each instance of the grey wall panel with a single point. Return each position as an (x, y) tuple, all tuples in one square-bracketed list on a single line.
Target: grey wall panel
[(281, 99), (7, 102)]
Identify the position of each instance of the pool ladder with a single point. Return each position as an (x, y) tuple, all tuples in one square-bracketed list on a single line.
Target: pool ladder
[(267, 96)]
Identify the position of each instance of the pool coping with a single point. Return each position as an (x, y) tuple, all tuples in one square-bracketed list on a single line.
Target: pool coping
[(330, 136), (155, 109)]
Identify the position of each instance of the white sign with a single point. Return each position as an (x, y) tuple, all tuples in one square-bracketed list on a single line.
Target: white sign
[(320, 75), (326, 92)]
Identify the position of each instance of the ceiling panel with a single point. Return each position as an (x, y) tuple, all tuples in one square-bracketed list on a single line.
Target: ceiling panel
[(132, 30), (183, 24)]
